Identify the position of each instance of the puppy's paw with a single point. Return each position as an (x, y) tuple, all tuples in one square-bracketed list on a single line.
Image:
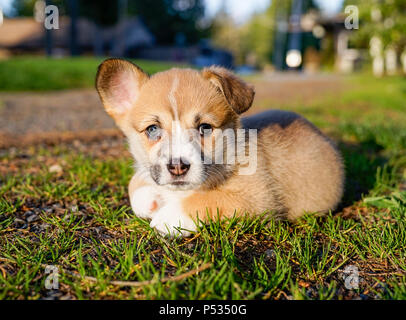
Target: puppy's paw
[(145, 201), (171, 220)]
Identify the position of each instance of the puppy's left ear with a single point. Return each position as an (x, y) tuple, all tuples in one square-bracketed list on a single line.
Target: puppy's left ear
[(118, 83), (238, 94)]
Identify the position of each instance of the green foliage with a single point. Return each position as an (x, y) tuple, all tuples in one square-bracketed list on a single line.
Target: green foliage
[(384, 19), (26, 7), (251, 41), (259, 36)]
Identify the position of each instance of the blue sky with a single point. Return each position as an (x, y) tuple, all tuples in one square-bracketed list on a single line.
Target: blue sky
[(5, 5)]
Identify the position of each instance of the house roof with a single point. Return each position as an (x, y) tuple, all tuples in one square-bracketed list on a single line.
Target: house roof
[(19, 30)]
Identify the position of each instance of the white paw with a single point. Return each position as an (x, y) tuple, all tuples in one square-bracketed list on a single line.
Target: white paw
[(145, 201), (171, 220)]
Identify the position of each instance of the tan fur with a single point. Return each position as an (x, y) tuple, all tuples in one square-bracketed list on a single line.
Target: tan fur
[(238, 94), (299, 170)]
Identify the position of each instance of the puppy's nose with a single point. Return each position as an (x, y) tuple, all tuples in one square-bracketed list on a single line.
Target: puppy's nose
[(178, 167)]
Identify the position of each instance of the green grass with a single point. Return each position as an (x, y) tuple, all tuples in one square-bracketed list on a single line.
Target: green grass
[(363, 97), (42, 74), (85, 225)]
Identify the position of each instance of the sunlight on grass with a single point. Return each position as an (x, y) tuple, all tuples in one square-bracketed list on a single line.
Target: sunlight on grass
[(41, 74), (81, 221)]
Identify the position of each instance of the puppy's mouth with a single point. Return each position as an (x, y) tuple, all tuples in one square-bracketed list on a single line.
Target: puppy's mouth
[(180, 183)]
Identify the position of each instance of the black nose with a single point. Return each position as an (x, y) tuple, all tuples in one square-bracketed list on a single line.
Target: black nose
[(178, 167)]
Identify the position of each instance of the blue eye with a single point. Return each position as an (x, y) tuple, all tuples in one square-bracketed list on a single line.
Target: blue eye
[(153, 132), (205, 129)]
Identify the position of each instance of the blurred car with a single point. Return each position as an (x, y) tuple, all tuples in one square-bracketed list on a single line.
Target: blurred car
[(209, 55), (245, 70)]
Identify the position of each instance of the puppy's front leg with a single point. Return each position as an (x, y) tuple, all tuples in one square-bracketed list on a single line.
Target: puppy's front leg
[(171, 219), (145, 199), (180, 213), (207, 204), (177, 213), (162, 207)]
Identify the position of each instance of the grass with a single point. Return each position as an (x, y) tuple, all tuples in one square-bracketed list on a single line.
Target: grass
[(79, 220), (41, 74)]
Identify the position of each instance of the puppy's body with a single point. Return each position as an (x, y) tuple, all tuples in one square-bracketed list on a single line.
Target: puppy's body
[(304, 165), (298, 169)]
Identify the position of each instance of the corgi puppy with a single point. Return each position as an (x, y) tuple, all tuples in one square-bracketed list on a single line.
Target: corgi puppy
[(195, 157)]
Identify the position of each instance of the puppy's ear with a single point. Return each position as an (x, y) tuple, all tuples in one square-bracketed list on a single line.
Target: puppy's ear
[(238, 94), (118, 83)]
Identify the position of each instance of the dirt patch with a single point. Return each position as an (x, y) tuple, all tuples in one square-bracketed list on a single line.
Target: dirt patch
[(282, 89), (72, 110), (8, 140)]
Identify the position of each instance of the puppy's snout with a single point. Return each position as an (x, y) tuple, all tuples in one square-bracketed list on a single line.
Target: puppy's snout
[(178, 167)]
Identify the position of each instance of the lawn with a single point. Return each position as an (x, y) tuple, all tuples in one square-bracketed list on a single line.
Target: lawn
[(40, 74), (67, 206)]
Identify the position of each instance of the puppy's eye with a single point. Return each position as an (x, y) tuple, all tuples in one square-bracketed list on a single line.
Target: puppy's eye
[(153, 132), (205, 129)]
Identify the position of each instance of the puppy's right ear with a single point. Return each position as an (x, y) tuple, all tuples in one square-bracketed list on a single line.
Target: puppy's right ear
[(118, 83)]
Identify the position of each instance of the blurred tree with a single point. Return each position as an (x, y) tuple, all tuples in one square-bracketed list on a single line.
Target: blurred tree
[(166, 19), (255, 40), (171, 19), (251, 41), (102, 12), (383, 22), (25, 8), (227, 35), (383, 18), (259, 33)]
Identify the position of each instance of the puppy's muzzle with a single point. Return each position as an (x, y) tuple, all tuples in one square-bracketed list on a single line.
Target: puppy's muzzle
[(178, 167)]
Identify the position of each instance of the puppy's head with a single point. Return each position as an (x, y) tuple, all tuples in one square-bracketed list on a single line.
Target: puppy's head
[(174, 118)]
